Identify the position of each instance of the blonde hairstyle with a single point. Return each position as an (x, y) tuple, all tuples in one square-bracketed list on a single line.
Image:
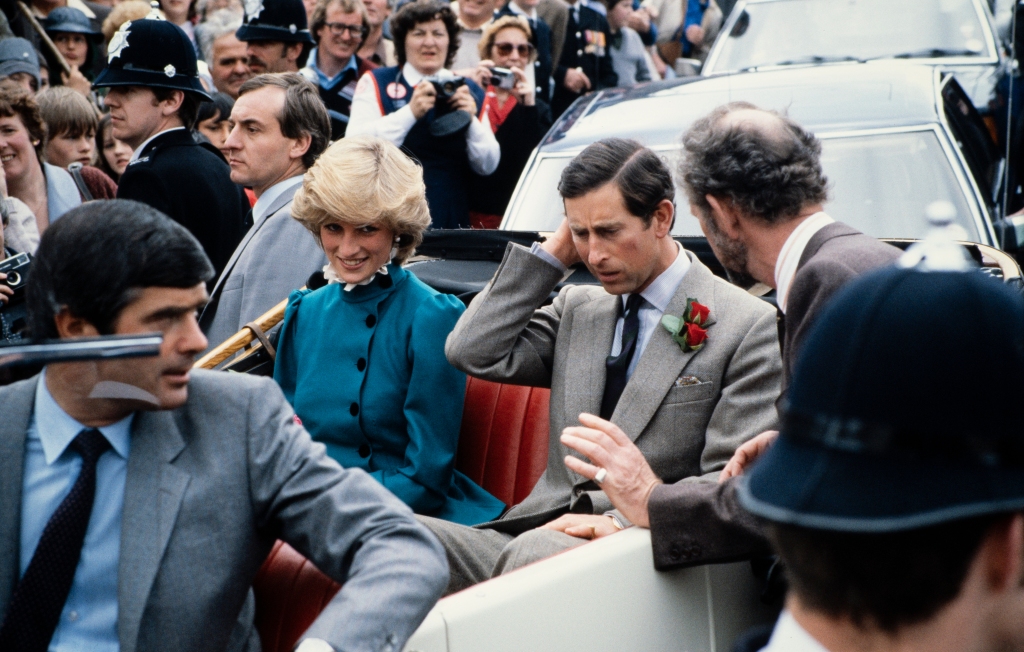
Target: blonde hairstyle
[(492, 28), (365, 180), (122, 13)]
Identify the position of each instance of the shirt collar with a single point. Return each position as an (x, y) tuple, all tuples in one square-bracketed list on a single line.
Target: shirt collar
[(517, 10), (661, 290), (57, 429), (414, 77), (138, 152), (791, 253), (271, 194), (789, 636), (465, 28), (323, 80)]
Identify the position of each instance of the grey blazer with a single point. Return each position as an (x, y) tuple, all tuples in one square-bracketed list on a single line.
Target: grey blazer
[(210, 486), (276, 256), (685, 431), (703, 524)]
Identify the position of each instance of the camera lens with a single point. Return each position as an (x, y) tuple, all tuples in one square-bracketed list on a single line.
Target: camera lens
[(13, 279), (449, 88)]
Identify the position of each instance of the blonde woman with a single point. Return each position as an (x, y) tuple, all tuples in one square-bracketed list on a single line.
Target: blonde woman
[(362, 359)]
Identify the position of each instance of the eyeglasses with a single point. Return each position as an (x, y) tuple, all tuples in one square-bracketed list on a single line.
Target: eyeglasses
[(340, 28), (525, 50)]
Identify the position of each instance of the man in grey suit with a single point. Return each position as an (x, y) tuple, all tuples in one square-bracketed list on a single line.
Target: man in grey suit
[(281, 127), (138, 498), (754, 180), (687, 403)]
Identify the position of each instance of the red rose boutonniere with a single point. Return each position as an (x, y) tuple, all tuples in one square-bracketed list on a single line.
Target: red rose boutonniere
[(691, 330)]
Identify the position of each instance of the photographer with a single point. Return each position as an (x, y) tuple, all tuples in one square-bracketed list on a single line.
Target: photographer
[(402, 105), (519, 120), (12, 312)]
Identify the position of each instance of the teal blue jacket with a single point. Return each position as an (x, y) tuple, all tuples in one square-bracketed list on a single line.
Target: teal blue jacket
[(365, 371)]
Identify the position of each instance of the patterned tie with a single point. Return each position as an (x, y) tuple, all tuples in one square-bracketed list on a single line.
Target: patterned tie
[(615, 380), (39, 598)]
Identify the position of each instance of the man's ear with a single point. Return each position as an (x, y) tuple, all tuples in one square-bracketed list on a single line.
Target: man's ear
[(171, 105), (725, 215), (661, 218), (69, 326), (292, 52), (300, 146)]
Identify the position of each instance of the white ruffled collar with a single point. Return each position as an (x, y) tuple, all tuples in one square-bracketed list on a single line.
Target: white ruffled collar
[(332, 276)]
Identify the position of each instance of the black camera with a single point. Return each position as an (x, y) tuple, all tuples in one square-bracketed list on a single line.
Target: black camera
[(447, 119), (16, 267), (503, 78)]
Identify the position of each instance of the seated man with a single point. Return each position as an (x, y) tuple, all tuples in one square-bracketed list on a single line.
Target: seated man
[(280, 128), (764, 218), (139, 498), (895, 500), (686, 400)]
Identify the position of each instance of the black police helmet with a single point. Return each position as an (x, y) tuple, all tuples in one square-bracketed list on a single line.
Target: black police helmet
[(903, 408), (275, 20), (154, 53)]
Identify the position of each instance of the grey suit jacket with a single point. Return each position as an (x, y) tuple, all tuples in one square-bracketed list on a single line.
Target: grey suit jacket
[(685, 431), (210, 486), (556, 14), (693, 525), (276, 256)]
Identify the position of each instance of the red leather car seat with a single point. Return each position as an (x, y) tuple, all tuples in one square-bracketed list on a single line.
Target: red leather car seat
[(503, 447), (290, 593), (503, 444)]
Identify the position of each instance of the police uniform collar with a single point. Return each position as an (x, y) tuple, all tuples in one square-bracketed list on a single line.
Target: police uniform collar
[(145, 146)]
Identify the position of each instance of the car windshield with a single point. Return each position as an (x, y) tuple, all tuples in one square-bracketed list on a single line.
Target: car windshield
[(787, 32), (880, 184)]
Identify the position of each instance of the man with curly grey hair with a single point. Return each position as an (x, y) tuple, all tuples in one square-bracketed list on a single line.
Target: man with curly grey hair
[(755, 183)]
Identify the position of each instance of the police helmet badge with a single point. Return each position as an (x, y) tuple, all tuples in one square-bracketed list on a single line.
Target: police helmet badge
[(118, 42), (253, 9)]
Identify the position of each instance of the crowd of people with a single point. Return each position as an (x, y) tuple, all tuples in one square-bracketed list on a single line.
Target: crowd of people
[(305, 160)]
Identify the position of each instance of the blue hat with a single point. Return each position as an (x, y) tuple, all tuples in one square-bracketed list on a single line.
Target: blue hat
[(18, 55), (69, 19), (154, 53), (903, 409), (275, 20)]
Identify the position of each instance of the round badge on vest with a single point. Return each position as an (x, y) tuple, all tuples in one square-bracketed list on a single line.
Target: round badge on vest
[(396, 91)]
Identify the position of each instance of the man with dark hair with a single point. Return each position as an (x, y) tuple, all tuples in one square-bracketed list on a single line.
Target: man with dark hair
[(755, 183), (154, 100), (900, 515), (687, 396), (276, 35), (139, 497), (280, 128)]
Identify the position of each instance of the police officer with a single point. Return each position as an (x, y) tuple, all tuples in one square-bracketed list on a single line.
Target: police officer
[(154, 99), (586, 61), (895, 492), (276, 35)]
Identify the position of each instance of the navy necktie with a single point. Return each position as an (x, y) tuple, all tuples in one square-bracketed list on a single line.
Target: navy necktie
[(618, 365), (39, 598)]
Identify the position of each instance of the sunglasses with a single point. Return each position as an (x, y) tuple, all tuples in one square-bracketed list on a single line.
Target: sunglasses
[(525, 50), (340, 28)]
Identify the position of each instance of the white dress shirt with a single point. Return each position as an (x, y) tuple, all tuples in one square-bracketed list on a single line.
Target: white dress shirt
[(270, 195), (138, 151), (792, 251), (657, 296), (789, 636), (367, 119)]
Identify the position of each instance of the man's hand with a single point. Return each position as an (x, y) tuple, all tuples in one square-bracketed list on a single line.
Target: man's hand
[(695, 34), (423, 98), (561, 246), (76, 81), (576, 80), (5, 292), (639, 20), (463, 100), (583, 526), (629, 479), (747, 453)]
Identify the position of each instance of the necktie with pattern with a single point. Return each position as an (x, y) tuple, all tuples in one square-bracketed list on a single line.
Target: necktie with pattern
[(618, 365)]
